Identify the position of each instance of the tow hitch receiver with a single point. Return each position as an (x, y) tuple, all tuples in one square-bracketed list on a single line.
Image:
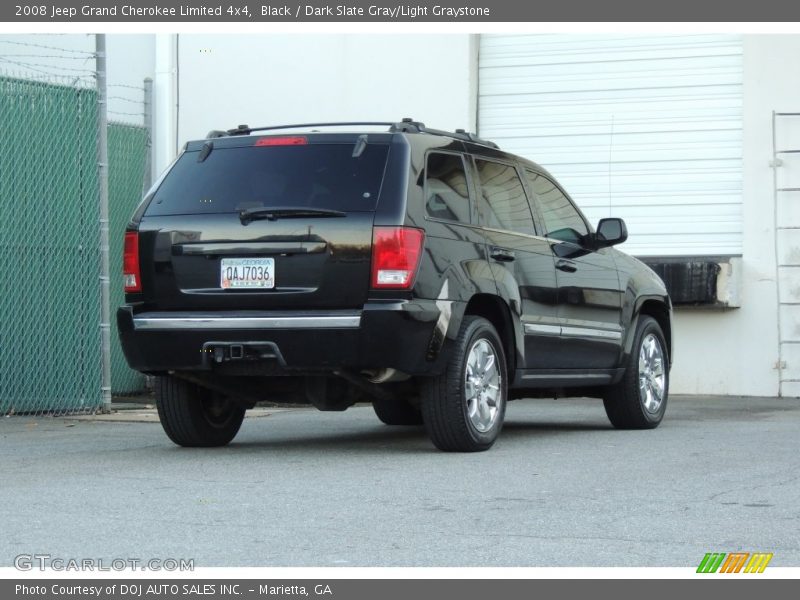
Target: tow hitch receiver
[(222, 352)]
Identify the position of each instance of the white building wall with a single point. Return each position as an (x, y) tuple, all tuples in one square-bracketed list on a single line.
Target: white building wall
[(265, 79), (736, 352)]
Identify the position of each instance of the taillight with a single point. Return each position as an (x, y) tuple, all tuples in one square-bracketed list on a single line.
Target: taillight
[(130, 263), (395, 256), (287, 140)]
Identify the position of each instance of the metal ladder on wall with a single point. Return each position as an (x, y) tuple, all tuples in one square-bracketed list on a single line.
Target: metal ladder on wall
[(787, 267)]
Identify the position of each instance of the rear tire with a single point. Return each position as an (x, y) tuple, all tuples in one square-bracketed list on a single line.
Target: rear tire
[(639, 401), (396, 411), (193, 416), (463, 409)]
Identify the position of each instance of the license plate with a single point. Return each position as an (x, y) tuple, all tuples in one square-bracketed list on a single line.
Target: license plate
[(247, 273)]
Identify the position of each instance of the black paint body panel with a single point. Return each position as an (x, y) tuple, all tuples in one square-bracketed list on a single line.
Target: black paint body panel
[(323, 265)]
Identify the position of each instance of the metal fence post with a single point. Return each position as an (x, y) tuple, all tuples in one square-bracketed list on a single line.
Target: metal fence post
[(102, 178), (148, 125)]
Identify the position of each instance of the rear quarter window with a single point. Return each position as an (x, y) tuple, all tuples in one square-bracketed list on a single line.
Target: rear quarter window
[(306, 176), (446, 189)]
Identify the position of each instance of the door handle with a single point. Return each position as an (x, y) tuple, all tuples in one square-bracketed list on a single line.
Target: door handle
[(502, 254), (566, 265)]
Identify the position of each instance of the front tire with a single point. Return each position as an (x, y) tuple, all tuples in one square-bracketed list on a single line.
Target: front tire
[(194, 416), (463, 409), (639, 401)]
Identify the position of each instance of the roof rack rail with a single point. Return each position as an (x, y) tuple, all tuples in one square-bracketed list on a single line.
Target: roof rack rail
[(247, 130), (407, 125)]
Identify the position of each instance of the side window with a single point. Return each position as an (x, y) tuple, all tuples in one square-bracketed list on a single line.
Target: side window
[(446, 191), (505, 205), (561, 219)]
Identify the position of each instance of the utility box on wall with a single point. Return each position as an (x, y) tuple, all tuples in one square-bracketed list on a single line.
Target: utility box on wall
[(703, 282)]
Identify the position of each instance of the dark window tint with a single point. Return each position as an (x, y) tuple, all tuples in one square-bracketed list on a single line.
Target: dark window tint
[(562, 221), (505, 206), (446, 191), (231, 179)]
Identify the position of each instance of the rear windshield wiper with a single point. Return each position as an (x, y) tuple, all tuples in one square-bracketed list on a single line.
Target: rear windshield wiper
[(273, 214)]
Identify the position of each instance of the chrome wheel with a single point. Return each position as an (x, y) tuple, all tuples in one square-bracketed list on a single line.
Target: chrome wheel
[(652, 377), (482, 385), (463, 407)]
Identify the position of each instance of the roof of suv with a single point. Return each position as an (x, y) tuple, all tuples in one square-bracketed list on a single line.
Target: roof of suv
[(407, 125)]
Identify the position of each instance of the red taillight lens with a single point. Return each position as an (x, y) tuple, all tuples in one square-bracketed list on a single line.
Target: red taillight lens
[(288, 140), (395, 256), (130, 263)]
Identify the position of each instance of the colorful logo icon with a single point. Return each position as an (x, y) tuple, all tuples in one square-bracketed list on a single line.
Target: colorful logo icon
[(734, 562)]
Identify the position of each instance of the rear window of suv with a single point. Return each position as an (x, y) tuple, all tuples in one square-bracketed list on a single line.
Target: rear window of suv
[(306, 176)]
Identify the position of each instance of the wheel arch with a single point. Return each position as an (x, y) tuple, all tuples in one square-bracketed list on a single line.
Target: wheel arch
[(495, 310), (660, 310)]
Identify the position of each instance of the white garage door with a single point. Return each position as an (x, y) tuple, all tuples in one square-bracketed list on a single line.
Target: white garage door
[(648, 128)]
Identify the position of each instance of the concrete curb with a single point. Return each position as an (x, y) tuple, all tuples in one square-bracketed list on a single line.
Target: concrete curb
[(150, 415)]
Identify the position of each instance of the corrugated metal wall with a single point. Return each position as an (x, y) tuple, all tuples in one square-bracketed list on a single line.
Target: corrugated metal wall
[(647, 128)]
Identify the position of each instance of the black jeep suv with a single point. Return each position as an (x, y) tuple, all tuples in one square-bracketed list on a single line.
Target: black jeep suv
[(426, 272)]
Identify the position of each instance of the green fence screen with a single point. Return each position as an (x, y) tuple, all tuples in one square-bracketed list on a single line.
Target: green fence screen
[(49, 245), (127, 151)]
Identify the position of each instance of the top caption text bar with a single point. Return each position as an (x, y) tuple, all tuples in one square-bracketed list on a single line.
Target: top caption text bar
[(474, 11)]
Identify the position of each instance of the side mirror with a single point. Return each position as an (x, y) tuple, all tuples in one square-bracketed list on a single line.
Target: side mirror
[(610, 232)]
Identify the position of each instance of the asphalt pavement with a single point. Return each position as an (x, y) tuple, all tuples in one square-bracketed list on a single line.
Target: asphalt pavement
[(305, 488)]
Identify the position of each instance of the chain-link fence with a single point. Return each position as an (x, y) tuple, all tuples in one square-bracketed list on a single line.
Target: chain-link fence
[(49, 305), (50, 352), (127, 157)]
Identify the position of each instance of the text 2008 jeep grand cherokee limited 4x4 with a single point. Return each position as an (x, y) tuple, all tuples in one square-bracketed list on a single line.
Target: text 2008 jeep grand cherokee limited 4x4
[(427, 272)]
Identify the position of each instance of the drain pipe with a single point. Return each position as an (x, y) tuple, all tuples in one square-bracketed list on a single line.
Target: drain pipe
[(165, 103)]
